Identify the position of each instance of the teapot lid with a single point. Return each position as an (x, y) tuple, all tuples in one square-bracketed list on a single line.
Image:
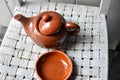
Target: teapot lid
[(50, 23)]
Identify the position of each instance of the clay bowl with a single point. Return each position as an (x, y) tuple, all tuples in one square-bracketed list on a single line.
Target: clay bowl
[(53, 65)]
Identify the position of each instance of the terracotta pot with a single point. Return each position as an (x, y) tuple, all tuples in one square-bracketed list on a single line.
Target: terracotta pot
[(53, 65), (48, 29)]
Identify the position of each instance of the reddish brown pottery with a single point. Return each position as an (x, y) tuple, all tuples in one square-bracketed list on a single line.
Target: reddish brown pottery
[(53, 65), (48, 29)]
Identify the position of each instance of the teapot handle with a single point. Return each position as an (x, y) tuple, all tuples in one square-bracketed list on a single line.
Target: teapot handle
[(72, 28)]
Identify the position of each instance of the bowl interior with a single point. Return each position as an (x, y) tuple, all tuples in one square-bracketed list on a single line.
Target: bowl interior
[(54, 65)]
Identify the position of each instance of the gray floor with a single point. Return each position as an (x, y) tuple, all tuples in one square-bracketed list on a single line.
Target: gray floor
[(2, 32), (114, 64)]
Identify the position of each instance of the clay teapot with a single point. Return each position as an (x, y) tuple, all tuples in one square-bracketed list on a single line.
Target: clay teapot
[(48, 29)]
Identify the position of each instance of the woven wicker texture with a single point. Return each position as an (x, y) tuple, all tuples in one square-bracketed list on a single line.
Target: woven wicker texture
[(88, 50)]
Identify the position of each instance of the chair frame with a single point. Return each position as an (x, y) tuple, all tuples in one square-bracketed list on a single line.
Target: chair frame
[(104, 5)]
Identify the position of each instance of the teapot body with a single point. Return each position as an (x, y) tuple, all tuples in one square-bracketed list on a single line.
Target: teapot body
[(49, 41)]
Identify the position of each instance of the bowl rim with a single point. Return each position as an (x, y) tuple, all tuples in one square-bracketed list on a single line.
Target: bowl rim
[(58, 51)]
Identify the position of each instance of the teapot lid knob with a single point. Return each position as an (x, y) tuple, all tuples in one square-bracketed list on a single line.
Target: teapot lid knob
[(50, 23), (46, 17)]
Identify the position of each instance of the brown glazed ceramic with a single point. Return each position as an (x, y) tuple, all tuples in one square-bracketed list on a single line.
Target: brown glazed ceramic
[(53, 65), (48, 29)]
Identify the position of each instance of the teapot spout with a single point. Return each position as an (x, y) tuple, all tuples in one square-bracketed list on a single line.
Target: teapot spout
[(24, 20)]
